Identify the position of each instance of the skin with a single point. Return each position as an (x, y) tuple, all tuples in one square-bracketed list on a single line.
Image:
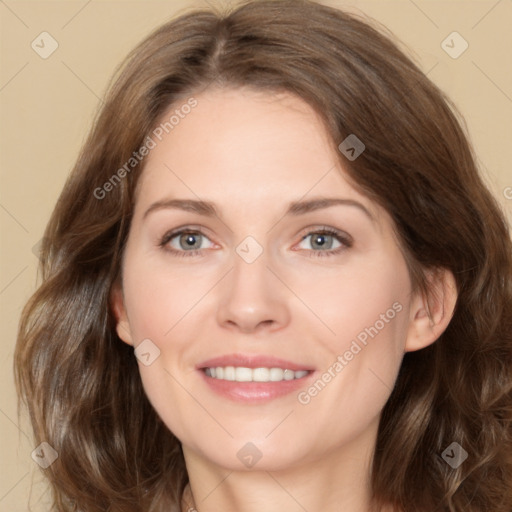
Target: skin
[(252, 153)]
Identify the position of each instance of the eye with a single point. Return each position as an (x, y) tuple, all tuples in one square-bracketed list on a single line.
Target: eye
[(184, 242), (323, 242)]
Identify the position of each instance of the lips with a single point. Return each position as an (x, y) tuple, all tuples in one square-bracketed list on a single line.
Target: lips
[(253, 378)]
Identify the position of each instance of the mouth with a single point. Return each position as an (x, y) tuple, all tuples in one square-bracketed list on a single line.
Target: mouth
[(253, 378), (244, 374)]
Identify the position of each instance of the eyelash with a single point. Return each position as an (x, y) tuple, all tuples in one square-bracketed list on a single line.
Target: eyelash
[(343, 238)]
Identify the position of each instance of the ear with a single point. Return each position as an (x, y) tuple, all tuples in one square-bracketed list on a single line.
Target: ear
[(431, 313), (119, 310)]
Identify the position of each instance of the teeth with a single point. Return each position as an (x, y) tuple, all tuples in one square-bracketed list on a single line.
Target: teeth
[(229, 373), (261, 374), (242, 374)]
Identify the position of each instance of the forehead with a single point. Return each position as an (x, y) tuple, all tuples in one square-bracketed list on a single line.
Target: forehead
[(245, 146)]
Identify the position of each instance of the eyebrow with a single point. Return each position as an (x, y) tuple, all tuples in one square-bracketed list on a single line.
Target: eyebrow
[(295, 208)]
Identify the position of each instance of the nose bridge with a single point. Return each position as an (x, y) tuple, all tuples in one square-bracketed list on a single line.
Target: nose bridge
[(250, 266), (250, 278)]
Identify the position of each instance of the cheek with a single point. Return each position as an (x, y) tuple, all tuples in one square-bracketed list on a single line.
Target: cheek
[(160, 305), (159, 297), (365, 301), (368, 311), (355, 384)]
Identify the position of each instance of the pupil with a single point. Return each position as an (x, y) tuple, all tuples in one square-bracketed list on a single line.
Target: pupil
[(190, 239), (320, 240)]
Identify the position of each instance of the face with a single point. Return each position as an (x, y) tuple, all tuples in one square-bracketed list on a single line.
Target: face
[(267, 323)]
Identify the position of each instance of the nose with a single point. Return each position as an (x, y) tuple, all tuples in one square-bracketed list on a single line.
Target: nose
[(252, 298)]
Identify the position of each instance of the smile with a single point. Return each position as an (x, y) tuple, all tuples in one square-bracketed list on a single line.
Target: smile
[(243, 374)]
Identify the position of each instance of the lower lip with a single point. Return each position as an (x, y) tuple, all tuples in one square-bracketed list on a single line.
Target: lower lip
[(254, 391)]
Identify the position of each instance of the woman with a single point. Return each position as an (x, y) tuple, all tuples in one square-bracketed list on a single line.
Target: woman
[(274, 279)]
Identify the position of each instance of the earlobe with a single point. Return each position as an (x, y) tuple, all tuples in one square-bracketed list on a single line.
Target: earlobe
[(431, 313), (119, 310)]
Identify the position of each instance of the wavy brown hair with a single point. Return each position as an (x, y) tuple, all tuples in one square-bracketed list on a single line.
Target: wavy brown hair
[(81, 383)]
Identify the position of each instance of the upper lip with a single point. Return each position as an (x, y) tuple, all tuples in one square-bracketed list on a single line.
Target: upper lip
[(252, 361)]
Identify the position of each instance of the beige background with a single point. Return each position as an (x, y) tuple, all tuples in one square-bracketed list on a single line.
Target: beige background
[(47, 106)]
